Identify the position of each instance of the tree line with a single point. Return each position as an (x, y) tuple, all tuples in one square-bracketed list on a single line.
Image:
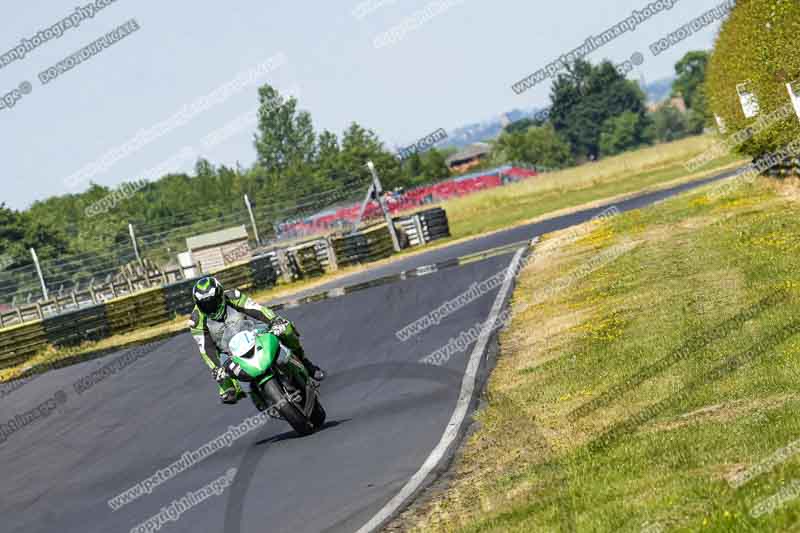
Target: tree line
[(595, 112)]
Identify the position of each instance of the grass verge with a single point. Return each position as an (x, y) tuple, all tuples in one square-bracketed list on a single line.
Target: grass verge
[(634, 394)]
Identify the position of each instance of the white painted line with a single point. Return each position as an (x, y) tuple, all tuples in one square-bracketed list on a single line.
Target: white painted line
[(460, 412)]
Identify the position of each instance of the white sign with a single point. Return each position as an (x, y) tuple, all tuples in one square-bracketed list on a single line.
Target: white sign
[(748, 100), (794, 95)]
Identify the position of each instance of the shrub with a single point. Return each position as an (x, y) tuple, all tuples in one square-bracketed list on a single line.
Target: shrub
[(757, 43)]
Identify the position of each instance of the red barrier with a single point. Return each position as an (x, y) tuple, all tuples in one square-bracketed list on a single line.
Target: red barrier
[(408, 200)]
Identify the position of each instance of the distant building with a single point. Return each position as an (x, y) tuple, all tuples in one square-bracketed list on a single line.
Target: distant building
[(220, 248), (468, 157), (676, 102)]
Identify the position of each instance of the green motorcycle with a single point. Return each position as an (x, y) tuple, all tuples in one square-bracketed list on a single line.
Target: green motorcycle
[(256, 356)]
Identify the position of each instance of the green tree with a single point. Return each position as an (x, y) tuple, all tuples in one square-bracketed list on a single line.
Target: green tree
[(412, 169), (691, 74), (547, 148), (621, 133), (285, 135), (536, 146), (328, 153), (510, 147), (585, 97), (700, 115), (521, 125), (360, 145), (668, 124), (434, 166), (690, 84), (13, 235)]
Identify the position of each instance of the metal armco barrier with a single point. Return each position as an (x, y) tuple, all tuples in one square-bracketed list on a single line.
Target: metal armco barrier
[(363, 247), (138, 311), (434, 224), (122, 315), (73, 328), (424, 226), (155, 306), (18, 343), (307, 260), (178, 297), (264, 272), (240, 276)]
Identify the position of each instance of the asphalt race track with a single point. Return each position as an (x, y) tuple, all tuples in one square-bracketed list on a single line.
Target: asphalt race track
[(386, 413)]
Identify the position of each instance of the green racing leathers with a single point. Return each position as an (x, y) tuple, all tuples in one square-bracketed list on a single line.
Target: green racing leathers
[(210, 334)]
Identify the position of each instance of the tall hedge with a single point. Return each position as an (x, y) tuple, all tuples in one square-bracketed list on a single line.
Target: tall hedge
[(759, 42)]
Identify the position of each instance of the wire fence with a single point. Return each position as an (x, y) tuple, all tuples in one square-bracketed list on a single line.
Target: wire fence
[(160, 242), (336, 209)]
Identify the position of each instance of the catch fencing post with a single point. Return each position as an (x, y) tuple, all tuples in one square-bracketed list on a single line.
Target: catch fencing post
[(363, 207), (91, 291), (382, 202), (138, 257), (252, 219), (39, 271)]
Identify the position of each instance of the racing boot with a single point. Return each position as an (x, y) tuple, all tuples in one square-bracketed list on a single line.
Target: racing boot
[(291, 338), (316, 373), (231, 396)]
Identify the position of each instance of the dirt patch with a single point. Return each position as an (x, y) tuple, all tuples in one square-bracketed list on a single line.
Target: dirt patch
[(723, 412), (541, 343), (789, 189)]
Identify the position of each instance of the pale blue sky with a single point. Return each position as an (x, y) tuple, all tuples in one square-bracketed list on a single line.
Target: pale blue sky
[(456, 68)]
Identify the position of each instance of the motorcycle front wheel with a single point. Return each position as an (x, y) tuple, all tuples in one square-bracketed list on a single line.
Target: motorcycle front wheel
[(318, 415), (275, 396)]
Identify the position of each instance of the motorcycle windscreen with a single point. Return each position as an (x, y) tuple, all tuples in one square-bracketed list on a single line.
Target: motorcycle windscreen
[(262, 358)]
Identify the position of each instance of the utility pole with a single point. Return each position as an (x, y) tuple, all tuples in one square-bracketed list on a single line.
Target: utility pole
[(138, 257), (376, 182), (39, 271), (252, 219)]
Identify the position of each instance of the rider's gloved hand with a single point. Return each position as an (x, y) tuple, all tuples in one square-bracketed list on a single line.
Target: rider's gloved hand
[(220, 374), (278, 325)]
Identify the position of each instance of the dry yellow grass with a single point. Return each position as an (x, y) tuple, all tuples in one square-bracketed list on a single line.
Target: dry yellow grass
[(625, 173)]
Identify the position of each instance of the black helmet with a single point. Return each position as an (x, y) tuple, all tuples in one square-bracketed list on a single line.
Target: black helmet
[(209, 297)]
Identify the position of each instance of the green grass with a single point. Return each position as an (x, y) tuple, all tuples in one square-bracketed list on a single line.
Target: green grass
[(627, 173), (691, 423)]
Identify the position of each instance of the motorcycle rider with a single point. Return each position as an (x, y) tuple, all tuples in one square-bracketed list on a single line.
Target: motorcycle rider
[(215, 309)]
